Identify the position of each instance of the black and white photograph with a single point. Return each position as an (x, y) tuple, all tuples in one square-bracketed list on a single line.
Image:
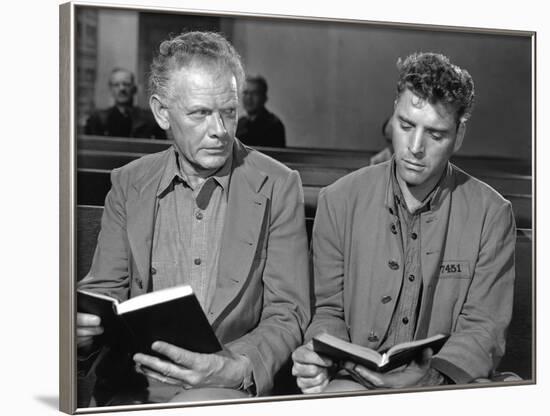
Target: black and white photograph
[(286, 209), (270, 207)]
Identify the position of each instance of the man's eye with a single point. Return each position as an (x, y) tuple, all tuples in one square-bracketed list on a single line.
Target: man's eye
[(229, 112), (406, 127), (199, 114), (436, 136)]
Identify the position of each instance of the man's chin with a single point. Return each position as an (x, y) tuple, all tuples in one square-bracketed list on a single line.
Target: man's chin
[(213, 162), (411, 178)]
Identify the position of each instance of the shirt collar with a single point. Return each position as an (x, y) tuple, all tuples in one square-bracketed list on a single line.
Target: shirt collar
[(172, 171)]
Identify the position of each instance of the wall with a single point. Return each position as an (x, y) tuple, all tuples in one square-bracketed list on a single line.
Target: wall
[(117, 47), (333, 84)]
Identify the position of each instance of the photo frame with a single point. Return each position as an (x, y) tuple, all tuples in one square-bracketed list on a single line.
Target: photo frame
[(71, 159)]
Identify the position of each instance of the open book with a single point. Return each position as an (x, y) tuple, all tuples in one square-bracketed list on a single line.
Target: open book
[(394, 357), (172, 315)]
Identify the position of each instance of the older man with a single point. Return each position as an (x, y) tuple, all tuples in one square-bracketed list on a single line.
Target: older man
[(123, 118), (211, 213), (413, 247)]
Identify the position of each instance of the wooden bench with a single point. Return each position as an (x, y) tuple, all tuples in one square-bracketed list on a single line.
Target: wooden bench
[(93, 185), (311, 174), (518, 358), (504, 183), (324, 157)]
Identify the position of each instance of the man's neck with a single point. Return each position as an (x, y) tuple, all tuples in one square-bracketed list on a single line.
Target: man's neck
[(196, 176), (416, 195)]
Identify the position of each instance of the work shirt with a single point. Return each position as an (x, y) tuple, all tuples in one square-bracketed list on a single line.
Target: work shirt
[(406, 228), (188, 228)]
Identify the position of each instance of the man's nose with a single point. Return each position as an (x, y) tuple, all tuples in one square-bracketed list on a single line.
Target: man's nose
[(416, 143), (216, 125)]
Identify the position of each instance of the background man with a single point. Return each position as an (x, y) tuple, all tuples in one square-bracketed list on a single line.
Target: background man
[(123, 119), (259, 127), (211, 213), (414, 247)]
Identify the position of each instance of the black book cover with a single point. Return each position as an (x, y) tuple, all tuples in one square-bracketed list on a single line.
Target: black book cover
[(179, 321)]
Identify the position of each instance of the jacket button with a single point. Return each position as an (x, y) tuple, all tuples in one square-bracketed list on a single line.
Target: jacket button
[(139, 283), (405, 320), (393, 265), (199, 216), (153, 270), (393, 229), (372, 337), (411, 277), (414, 236), (197, 261), (386, 299)]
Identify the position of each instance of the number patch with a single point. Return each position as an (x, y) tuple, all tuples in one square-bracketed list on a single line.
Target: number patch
[(454, 269)]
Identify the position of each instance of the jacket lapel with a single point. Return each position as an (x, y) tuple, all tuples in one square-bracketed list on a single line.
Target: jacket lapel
[(141, 206), (246, 212)]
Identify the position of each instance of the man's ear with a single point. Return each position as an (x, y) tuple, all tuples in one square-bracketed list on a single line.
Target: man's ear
[(159, 111), (461, 131)]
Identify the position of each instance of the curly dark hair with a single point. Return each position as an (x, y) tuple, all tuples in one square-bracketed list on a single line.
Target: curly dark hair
[(434, 78), (188, 47)]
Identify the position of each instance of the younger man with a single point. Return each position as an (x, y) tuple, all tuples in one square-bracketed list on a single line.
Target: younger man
[(414, 247)]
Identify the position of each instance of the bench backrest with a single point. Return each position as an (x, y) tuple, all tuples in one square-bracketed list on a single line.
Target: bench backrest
[(326, 157), (93, 185)]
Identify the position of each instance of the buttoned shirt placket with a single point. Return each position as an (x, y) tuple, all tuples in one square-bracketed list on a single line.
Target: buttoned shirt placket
[(406, 228)]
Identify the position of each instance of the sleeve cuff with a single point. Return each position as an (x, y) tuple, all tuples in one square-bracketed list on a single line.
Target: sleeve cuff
[(452, 372), (259, 382), (248, 385)]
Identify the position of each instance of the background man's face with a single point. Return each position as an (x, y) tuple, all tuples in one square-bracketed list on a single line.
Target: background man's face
[(122, 87), (253, 97), (424, 137), (203, 115)]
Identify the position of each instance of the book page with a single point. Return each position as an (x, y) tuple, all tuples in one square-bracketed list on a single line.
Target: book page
[(154, 298), (412, 344), (99, 296)]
